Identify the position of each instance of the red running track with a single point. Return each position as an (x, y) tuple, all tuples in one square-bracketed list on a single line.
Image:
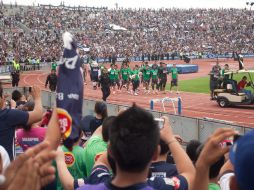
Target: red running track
[(193, 104)]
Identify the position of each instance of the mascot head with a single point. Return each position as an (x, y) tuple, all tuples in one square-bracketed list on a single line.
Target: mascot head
[(69, 41)]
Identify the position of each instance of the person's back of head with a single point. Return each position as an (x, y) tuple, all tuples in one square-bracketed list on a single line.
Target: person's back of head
[(134, 137), (69, 142), (107, 123), (164, 148), (100, 108), (216, 167), (16, 95), (191, 149)]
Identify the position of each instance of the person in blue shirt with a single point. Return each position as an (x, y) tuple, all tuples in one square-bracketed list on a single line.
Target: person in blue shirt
[(134, 136), (10, 119)]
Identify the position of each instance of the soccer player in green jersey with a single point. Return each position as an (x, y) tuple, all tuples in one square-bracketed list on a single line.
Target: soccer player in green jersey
[(125, 74), (117, 75), (174, 78), (154, 73), (112, 78), (135, 79), (146, 77)]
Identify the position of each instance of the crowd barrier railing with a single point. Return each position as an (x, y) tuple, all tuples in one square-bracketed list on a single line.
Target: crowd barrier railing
[(7, 68), (187, 127)]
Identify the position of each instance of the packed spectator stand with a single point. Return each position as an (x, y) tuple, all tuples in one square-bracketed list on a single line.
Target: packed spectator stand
[(155, 34)]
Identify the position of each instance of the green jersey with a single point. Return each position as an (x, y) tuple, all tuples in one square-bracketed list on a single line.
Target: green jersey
[(136, 73), (125, 73), (112, 74), (147, 74), (117, 74), (174, 73), (76, 163), (213, 186), (94, 146), (54, 65), (154, 73)]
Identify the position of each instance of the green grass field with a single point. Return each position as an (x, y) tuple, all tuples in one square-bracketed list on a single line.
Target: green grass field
[(201, 85)]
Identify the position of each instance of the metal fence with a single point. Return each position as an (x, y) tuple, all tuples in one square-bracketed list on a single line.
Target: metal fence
[(188, 128)]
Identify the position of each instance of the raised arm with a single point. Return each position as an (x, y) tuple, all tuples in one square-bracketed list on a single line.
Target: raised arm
[(183, 163), (65, 176), (53, 134), (215, 151)]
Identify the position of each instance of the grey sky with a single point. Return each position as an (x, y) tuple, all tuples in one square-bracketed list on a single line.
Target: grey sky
[(143, 3)]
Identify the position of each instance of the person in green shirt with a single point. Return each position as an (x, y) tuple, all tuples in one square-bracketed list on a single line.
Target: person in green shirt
[(117, 75), (75, 160), (135, 79), (174, 78), (154, 73), (125, 74), (97, 144), (224, 77), (38, 62), (112, 78), (54, 66), (146, 77)]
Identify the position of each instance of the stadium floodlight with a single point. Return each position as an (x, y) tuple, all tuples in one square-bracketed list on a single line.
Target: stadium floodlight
[(250, 4)]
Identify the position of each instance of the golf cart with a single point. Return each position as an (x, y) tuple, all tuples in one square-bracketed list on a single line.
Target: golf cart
[(228, 95)]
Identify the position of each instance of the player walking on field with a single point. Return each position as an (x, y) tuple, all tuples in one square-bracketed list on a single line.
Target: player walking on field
[(135, 80), (117, 75), (174, 78), (163, 77), (125, 75), (112, 78), (146, 77), (154, 72)]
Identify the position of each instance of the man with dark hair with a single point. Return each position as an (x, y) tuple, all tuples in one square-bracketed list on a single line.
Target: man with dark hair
[(15, 76), (191, 149), (134, 137), (162, 76), (160, 168), (241, 85), (52, 81)]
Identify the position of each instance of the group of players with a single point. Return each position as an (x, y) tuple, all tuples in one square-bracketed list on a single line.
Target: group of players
[(115, 79)]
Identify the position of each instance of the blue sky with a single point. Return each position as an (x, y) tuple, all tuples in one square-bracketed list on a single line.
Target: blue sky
[(144, 3)]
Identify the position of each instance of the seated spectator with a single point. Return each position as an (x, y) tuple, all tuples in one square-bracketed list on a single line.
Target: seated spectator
[(101, 112), (134, 137), (215, 151), (10, 119), (241, 85), (160, 167), (191, 149), (30, 135), (214, 171), (74, 159)]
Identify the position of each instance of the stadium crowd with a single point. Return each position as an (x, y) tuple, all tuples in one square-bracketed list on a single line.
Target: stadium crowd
[(127, 151), (144, 32)]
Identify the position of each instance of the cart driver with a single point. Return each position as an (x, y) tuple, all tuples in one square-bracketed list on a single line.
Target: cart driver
[(242, 84)]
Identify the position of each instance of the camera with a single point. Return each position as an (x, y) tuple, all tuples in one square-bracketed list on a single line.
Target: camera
[(160, 122)]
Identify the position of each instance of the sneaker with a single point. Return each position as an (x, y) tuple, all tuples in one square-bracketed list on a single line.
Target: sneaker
[(177, 92), (135, 94)]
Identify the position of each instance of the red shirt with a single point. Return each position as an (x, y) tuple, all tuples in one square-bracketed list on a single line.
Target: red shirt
[(241, 85)]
